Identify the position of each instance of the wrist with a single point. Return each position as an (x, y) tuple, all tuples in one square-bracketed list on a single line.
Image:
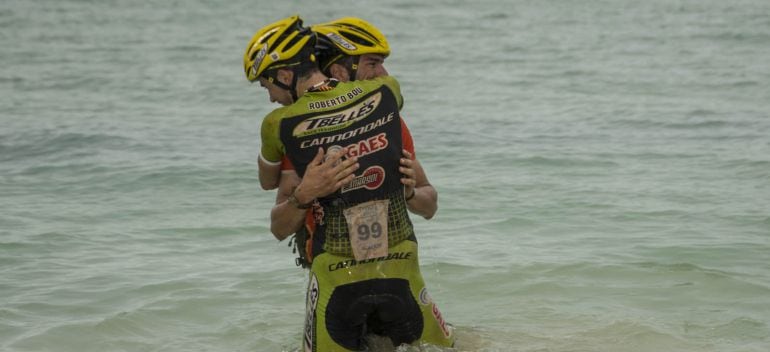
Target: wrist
[(300, 200), (410, 196)]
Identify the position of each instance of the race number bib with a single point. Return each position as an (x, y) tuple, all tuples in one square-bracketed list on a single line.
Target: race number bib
[(368, 228)]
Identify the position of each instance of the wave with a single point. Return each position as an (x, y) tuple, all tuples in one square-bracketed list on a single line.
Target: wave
[(55, 145), (681, 124)]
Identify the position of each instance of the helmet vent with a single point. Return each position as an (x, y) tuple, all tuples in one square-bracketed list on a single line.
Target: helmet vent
[(293, 41), (358, 40)]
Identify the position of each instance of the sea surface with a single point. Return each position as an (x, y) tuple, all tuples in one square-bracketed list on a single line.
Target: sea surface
[(603, 169)]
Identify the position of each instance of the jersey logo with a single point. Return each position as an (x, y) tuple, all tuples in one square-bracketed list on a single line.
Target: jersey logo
[(338, 120), (312, 302), (440, 320), (258, 60), (341, 41), (371, 179), (365, 147), (425, 298)]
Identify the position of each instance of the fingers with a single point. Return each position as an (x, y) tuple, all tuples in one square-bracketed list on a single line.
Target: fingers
[(407, 169), (406, 154), (348, 179), (408, 182), (407, 161), (334, 156), (318, 158), (346, 173), (408, 179), (346, 169)]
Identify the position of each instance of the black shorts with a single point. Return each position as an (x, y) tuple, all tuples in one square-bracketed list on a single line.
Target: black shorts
[(386, 296)]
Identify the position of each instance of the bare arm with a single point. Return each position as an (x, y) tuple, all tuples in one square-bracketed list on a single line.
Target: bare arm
[(424, 200), (269, 174), (286, 218)]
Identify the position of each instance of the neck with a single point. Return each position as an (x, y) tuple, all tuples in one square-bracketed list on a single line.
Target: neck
[(304, 84)]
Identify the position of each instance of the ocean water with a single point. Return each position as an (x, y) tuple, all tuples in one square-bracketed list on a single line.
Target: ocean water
[(603, 169)]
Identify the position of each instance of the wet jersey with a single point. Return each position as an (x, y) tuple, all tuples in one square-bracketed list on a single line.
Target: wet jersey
[(273, 150), (349, 297), (362, 120), (406, 140)]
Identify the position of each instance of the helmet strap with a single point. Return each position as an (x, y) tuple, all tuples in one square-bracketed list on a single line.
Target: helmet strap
[(353, 66), (293, 87), (273, 78)]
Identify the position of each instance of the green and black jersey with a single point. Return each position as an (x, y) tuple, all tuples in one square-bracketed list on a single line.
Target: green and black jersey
[(361, 119)]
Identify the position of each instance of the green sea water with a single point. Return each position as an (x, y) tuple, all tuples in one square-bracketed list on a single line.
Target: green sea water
[(603, 170)]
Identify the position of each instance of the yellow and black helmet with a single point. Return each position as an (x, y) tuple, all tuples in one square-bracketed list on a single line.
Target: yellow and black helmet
[(347, 36), (282, 44)]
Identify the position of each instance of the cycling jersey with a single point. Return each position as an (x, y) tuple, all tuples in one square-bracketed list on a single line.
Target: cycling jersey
[(353, 292)]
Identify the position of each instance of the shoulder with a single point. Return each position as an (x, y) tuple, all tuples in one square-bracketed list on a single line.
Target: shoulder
[(272, 148), (391, 84), (388, 81), (273, 119), (371, 84)]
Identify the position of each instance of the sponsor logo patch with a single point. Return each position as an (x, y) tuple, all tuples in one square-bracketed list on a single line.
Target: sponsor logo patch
[(258, 59), (440, 320), (338, 120), (341, 41), (337, 138), (368, 146), (352, 262), (425, 298), (371, 179), (312, 302)]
